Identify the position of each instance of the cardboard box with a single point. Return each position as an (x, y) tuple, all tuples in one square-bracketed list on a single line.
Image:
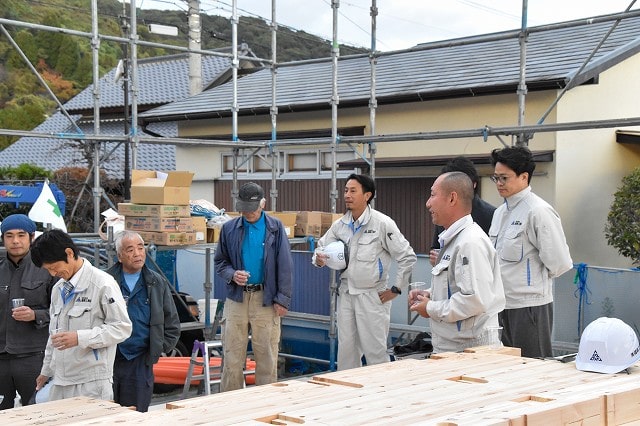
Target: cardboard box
[(158, 224), (156, 210), (287, 218), (308, 230), (199, 226), (289, 230), (213, 235), (308, 223), (169, 238), (328, 219), (150, 187)]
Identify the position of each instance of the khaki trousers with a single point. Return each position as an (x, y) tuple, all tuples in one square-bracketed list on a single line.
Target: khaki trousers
[(264, 323)]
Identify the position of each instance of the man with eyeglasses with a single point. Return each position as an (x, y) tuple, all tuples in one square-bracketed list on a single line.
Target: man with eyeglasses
[(528, 236)]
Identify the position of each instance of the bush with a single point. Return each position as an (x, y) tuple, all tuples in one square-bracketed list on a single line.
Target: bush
[(623, 222)]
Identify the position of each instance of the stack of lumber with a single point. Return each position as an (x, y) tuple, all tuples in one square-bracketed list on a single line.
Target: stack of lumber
[(478, 387)]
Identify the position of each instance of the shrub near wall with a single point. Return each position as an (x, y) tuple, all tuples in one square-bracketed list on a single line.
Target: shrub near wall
[(623, 222)]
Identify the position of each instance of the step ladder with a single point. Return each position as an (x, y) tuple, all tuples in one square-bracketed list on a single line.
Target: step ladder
[(211, 374)]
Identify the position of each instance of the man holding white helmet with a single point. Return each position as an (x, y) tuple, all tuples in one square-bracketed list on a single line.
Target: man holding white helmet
[(373, 240)]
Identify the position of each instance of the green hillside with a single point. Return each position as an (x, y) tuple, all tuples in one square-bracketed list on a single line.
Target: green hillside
[(65, 61)]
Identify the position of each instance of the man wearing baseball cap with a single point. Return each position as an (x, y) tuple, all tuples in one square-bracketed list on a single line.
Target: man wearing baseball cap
[(254, 258), (24, 330)]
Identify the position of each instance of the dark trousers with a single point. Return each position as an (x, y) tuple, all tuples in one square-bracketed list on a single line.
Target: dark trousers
[(133, 382), (19, 374), (528, 329)]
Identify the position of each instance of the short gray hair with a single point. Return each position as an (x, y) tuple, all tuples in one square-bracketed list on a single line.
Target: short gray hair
[(123, 235)]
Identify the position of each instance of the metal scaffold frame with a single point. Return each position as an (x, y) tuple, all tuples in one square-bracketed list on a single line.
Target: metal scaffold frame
[(133, 138), (368, 142)]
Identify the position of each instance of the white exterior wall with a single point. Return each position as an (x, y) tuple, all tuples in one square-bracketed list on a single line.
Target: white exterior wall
[(591, 164)]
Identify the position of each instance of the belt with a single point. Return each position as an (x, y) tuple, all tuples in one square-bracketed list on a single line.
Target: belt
[(253, 287)]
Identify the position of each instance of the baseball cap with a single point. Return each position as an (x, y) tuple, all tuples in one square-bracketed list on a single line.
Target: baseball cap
[(249, 197)]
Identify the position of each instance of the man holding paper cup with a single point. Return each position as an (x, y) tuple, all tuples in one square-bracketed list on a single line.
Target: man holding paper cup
[(25, 295), (466, 291)]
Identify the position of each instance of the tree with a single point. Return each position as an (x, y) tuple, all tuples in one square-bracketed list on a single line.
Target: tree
[(623, 222)]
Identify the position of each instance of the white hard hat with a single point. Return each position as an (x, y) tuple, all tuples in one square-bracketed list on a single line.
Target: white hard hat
[(607, 345), (337, 255)]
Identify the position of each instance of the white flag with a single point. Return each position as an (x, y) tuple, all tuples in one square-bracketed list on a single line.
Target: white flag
[(45, 210)]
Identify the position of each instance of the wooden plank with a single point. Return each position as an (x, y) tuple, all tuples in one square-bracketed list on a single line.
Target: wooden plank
[(480, 387), (61, 412)]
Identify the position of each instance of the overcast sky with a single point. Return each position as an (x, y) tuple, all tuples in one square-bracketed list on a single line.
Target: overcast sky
[(405, 23)]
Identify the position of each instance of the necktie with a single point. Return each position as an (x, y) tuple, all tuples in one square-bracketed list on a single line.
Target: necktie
[(67, 288)]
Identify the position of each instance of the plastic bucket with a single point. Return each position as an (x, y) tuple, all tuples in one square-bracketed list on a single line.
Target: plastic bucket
[(213, 305)]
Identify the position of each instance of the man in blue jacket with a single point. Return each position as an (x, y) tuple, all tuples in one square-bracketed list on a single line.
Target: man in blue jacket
[(254, 258), (156, 325)]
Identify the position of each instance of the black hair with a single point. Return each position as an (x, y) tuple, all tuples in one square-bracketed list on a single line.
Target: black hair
[(464, 165), (50, 247), (517, 158), (368, 185)]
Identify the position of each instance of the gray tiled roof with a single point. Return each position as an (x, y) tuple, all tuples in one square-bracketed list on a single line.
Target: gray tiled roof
[(553, 56), (53, 154), (162, 80)]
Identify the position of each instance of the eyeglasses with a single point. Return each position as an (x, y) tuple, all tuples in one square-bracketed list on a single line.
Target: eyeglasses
[(500, 179)]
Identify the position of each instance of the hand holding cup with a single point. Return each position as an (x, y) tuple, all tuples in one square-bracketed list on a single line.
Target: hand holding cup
[(417, 288)]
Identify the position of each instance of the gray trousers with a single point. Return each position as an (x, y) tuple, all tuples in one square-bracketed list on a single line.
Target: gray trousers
[(528, 329)]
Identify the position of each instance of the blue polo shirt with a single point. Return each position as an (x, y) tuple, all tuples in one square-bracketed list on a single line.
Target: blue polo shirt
[(140, 314), (253, 249)]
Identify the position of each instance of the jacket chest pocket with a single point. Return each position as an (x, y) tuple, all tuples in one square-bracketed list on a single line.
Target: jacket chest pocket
[(80, 317), (367, 248), (34, 293), (512, 245)]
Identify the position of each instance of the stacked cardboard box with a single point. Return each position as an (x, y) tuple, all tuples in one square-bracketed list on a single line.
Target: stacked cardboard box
[(314, 223), (288, 220), (328, 219), (159, 209), (308, 224)]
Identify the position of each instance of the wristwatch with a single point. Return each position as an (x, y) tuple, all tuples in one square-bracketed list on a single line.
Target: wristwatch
[(395, 290)]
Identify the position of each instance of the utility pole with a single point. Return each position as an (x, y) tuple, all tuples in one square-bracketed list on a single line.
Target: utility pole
[(195, 43)]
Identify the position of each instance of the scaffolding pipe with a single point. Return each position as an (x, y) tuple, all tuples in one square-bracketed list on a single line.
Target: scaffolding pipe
[(373, 101), (95, 49), (483, 132), (127, 40), (125, 105), (133, 86), (335, 100), (275, 159), (234, 104), (523, 37)]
